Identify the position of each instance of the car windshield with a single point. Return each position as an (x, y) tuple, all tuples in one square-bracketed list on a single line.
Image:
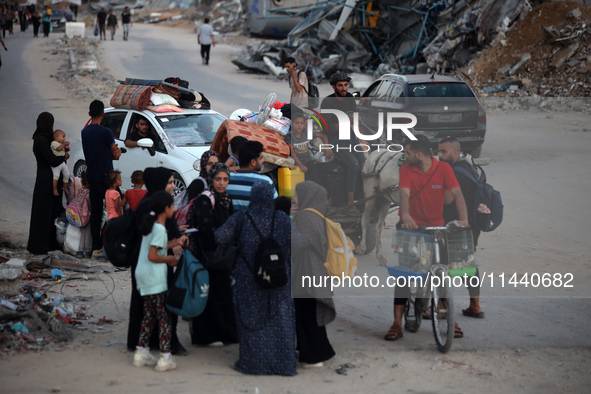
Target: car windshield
[(57, 14), (191, 129), (440, 89)]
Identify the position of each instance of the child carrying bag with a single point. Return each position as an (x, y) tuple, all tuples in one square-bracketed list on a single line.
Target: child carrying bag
[(188, 296)]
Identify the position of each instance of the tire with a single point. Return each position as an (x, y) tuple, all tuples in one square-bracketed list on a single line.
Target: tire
[(179, 184), (476, 152), (371, 238), (413, 311), (79, 168), (442, 313)]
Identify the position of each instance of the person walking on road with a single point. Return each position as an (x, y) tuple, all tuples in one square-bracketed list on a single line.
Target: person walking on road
[(46, 21), (206, 40), (36, 21), (100, 150), (449, 152), (4, 45), (265, 318), (126, 22), (314, 306), (101, 19), (112, 24), (424, 182)]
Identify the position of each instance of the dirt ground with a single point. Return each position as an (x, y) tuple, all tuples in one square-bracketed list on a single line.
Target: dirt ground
[(498, 354)]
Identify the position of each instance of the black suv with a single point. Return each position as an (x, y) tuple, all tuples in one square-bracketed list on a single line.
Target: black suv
[(444, 106)]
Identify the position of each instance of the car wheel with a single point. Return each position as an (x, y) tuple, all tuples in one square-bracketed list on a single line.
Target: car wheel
[(476, 152), (79, 168), (179, 184)]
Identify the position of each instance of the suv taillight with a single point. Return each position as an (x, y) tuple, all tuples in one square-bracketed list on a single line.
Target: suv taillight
[(481, 113)]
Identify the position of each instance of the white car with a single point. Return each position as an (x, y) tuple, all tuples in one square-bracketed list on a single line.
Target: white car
[(180, 140)]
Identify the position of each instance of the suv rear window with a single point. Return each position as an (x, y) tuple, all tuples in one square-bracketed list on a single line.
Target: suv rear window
[(440, 89)]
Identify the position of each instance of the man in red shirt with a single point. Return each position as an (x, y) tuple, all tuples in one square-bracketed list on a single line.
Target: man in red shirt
[(423, 183)]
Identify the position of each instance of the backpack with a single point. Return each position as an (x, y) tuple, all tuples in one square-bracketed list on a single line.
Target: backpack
[(78, 210), (188, 296), (120, 239), (181, 215), (488, 217), (74, 187), (311, 91), (269, 270), (340, 260)]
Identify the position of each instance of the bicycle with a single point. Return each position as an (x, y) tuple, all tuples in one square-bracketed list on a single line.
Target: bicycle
[(426, 254)]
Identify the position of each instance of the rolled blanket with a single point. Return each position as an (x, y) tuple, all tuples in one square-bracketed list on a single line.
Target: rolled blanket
[(131, 97), (273, 143)]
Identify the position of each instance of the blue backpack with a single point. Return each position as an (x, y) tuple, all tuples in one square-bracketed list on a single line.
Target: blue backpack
[(483, 194), (188, 296)]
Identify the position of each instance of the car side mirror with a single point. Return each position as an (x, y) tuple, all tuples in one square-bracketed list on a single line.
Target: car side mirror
[(145, 143), (356, 94)]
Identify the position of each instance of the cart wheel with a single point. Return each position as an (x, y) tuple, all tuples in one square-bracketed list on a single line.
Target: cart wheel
[(413, 314), (372, 238), (442, 312)]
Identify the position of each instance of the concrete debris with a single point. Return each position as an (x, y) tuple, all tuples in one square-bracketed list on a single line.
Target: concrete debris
[(549, 48), (524, 59)]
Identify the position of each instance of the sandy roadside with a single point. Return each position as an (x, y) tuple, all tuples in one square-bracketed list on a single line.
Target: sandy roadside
[(96, 360)]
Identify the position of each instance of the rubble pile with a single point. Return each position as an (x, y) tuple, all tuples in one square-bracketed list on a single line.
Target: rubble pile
[(547, 54), (41, 306), (388, 36)]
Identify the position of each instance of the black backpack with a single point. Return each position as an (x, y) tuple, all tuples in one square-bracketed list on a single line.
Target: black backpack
[(311, 91), (483, 194), (120, 239), (269, 261)]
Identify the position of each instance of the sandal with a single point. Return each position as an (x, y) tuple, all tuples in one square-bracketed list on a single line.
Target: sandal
[(458, 333), (394, 333), (468, 312)]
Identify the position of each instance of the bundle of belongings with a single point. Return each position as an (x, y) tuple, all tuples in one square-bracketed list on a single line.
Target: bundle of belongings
[(169, 95), (276, 150)]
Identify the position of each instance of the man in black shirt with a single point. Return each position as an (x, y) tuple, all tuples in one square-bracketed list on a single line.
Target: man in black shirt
[(126, 21), (348, 151), (101, 19), (449, 152)]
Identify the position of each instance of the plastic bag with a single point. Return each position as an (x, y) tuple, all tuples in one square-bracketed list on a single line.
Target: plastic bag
[(96, 31)]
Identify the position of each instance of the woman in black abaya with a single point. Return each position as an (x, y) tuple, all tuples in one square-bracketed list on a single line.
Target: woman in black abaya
[(46, 207), (216, 325)]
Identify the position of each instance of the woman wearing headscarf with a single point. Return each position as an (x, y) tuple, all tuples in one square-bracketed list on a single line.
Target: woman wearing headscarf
[(208, 158), (314, 305), (201, 183), (46, 207), (265, 318), (155, 179), (216, 325)]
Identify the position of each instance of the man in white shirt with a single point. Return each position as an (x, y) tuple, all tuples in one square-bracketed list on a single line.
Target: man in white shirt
[(206, 40)]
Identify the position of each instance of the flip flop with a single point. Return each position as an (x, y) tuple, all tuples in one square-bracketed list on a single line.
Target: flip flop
[(458, 333), (468, 312)]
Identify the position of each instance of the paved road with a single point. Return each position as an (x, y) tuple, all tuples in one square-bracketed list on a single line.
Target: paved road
[(539, 164)]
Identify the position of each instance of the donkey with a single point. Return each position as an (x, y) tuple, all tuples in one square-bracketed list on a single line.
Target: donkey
[(380, 187)]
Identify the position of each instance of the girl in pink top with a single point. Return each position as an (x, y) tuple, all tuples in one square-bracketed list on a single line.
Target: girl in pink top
[(112, 196)]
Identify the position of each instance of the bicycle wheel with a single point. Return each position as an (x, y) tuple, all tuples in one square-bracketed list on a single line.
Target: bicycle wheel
[(413, 314), (442, 312)]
